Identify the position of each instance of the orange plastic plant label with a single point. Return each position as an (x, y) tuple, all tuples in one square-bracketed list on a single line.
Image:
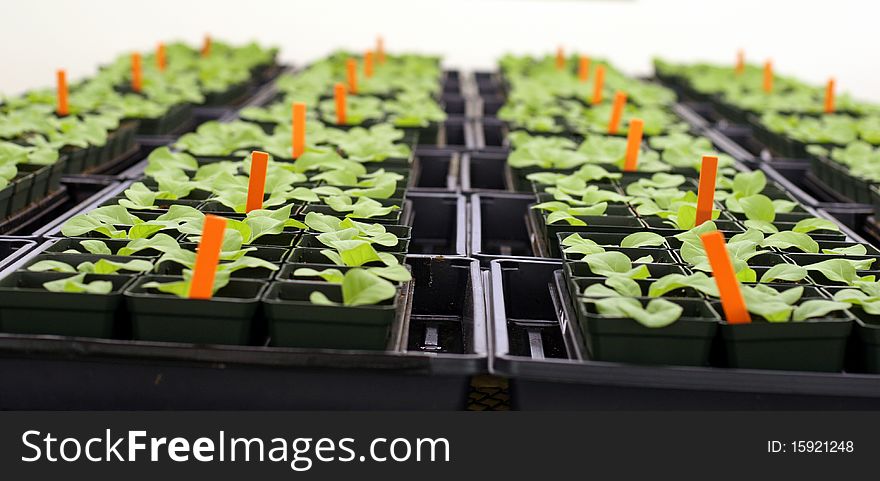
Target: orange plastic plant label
[(136, 80), (160, 57), (368, 64), (207, 257), (560, 58), (380, 49), (829, 97), (62, 109), (351, 75), (740, 62), (732, 301), (633, 145), (583, 68), (768, 76), (206, 46), (298, 126), (616, 112), (257, 182), (598, 84), (339, 94), (706, 192)]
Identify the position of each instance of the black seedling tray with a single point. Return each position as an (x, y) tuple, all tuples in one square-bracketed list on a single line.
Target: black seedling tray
[(429, 366), (439, 224), (538, 345)]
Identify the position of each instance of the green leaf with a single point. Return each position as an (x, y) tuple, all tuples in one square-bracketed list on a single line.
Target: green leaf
[(334, 276), (670, 282), (815, 223), (76, 284), (837, 270), (658, 312), (784, 272), (643, 239), (356, 252), (95, 247), (106, 266), (360, 287), (817, 308), (854, 250), (788, 239), (758, 207), (53, 266)]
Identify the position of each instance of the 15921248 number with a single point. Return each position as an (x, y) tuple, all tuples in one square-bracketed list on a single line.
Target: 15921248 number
[(802, 447)]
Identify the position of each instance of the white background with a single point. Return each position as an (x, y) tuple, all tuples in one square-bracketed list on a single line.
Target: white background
[(812, 39)]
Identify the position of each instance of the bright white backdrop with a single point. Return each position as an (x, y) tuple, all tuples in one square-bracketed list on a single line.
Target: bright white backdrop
[(809, 38)]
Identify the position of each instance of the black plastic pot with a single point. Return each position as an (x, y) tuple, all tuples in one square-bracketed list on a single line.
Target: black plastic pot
[(26, 307), (811, 345), (498, 227), (295, 322), (40, 187), (439, 225), (76, 158), (483, 171), (436, 170), (866, 341), (66, 244), (270, 254), (578, 285), (5, 198), (21, 192), (394, 218), (578, 270), (75, 259), (309, 240), (660, 256), (686, 342), (227, 318), (314, 256), (177, 117)]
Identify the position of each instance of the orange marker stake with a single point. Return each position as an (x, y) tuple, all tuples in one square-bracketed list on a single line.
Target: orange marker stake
[(633, 145), (160, 57), (706, 192), (368, 64), (617, 112), (136, 80), (740, 62), (732, 301), (598, 84), (62, 109), (351, 71), (207, 257), (339, 94), (206, 46), (768, 76), (257, 182), (560, 58), (583, 68), (299, 129), (829, 97), (380, 49)]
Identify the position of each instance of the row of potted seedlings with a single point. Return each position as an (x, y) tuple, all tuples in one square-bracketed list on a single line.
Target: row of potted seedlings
[(404, 91), (101, 115), (640, 278), (794, 121), (321, 265)]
